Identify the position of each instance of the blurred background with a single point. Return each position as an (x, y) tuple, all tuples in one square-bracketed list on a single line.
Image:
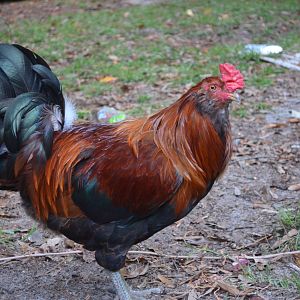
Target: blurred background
[(132, 53), (139, 56)]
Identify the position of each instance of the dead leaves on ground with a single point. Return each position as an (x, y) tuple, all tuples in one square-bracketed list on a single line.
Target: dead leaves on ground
[(292, 233), (232, 289), (134, 270), (297, 259), (217, 285), (166, 281), (294, 187), (197, 276), (107, 79)]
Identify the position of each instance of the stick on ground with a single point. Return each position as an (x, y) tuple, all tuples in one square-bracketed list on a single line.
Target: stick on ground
[(5, 259)]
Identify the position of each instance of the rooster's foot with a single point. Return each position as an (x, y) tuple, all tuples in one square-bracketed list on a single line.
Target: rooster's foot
[(126, 293)]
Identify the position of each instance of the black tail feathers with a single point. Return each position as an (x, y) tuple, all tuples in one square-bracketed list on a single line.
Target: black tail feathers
[(32, 107), (28, 91)]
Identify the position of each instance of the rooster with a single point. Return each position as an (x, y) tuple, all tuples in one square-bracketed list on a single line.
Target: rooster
[(109, 187)]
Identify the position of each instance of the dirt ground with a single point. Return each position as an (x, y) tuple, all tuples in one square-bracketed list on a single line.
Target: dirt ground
[(239, 217)]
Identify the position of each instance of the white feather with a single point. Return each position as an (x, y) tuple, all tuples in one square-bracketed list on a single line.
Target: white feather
[(70, 113)]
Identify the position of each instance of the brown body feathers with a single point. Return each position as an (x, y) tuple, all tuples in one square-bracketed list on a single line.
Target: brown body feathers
[(178, 149)]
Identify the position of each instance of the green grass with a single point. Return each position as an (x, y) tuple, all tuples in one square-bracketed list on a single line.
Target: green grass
[(30, 232), (290, 219), (265, 76), (137, 111), (268, 278), (7, 237), (240, 112), (263, 106), (83, 114), (143, 99), (148, 43)]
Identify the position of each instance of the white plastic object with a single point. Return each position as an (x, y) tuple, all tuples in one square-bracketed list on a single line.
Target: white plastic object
[(263, 49)]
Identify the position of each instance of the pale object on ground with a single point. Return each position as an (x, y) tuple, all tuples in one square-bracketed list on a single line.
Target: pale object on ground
[(110, 115), (263, 49), (291, 62)]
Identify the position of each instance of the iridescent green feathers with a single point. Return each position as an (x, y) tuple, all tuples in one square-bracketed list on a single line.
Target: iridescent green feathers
[(29, 94)]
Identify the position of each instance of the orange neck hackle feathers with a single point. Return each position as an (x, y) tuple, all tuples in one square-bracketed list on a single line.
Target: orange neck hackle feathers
[(188, 140)]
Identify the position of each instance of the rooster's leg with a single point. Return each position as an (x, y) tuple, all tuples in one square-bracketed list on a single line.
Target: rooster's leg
[(126, 293)]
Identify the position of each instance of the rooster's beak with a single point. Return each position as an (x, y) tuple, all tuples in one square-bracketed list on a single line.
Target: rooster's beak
[(235, 97)]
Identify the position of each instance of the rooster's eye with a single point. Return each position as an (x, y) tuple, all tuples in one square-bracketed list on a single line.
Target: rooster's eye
[(212, 87)]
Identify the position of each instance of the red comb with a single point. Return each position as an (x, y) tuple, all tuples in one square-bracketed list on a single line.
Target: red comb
[(232, 77)]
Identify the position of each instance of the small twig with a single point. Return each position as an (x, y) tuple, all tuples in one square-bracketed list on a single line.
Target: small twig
[(7, 216), (272, 255), (210, 290), (176, 256), (5, 259), (294, 267), (255, 242)]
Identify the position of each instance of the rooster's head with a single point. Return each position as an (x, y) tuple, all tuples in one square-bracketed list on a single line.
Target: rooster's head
[(220, 91)]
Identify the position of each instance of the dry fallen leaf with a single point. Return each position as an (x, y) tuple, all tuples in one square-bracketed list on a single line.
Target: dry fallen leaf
[(135, 270), (224, 16), (273, 194), (166, 281), (54, 241), (275, 125), (189, 12), (108, 79), (52, 244), (115, 59), (297, 259), (231, 289), (69, 243), (294, 120), (293, 232), (280, 169), (294, 187), (24, 247)]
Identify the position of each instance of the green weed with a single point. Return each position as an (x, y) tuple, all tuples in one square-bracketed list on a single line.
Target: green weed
[(290, 219), (143, 99), (138, 44), (6, 237), (240, 112), (263, 106), (83, 114), (29, 233), (267, 277)]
